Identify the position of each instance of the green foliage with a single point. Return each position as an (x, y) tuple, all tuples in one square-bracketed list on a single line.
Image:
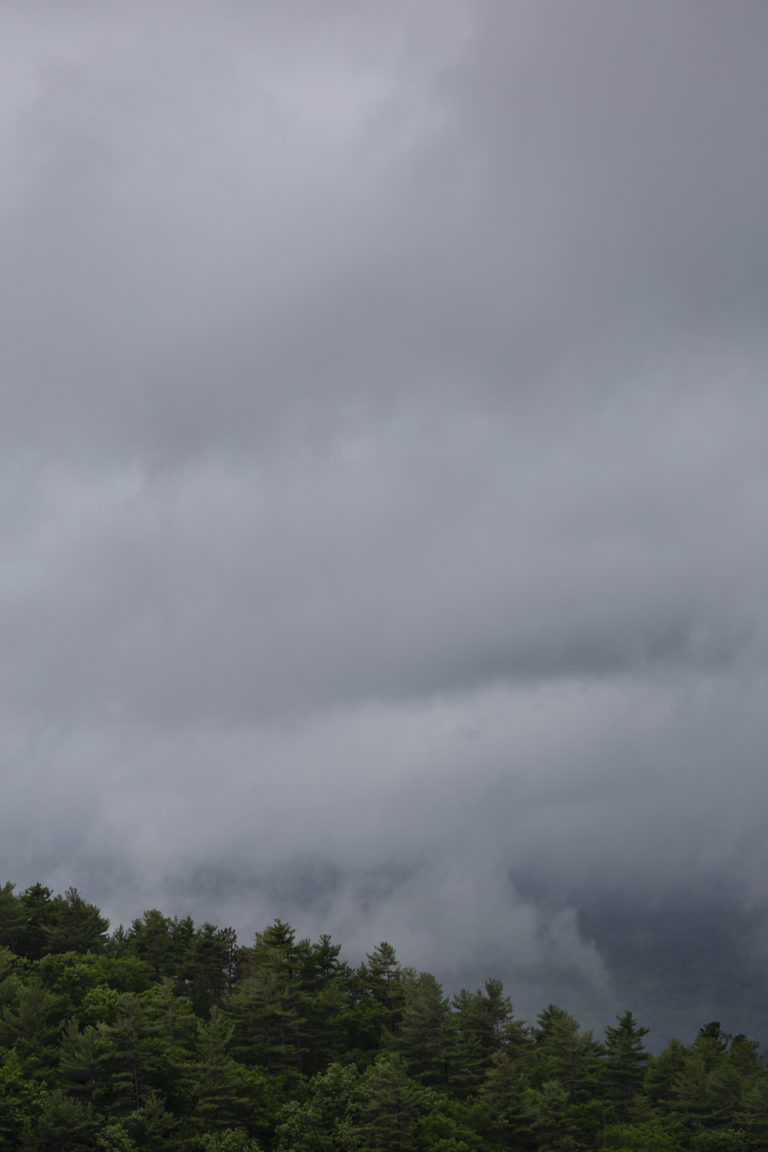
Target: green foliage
[(168, 1037), (563, 1053), (114, 1138), (228, 1140), (12, 919), (390, 1104), (381, 979), (500, 1105), (656, 1135), (216, 1083), (625, 1062), (426, 1035), (321, 1122), (484, 1027), (29, 1023), (546, 1114), (74, 925), (61, 1125), (20, 1098)]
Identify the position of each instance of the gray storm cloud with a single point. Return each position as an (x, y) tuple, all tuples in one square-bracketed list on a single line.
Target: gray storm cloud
[(383, 483)]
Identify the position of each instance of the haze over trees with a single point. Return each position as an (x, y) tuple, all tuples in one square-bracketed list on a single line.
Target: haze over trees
[(384, 422), (172, 1035)]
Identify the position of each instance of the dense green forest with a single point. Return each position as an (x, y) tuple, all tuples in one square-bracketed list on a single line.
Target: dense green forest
[(167, 1035)]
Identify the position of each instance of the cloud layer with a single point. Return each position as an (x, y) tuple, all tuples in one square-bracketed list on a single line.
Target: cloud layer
[(383, 483)]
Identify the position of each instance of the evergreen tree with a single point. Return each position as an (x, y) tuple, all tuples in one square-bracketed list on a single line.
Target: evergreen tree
[(322, 1004), (85, 1063), (265, 1005), (213, 964), (564, 1053), (546, 1112), (39, 912), (321, 1122), (227, 1140), (663, 1071), (169, 1038), (626, 1060), (20, 1098), (390, 1104), (75, 925), (224, 1092), (154, 1128), (426, 1036), (61, 1125), (500, 1108), (29, 1025), (382, 978), (484, 1026), (150, 938), (12, 918)]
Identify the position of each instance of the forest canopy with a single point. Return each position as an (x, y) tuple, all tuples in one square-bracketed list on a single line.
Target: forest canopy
[(172, 1035)]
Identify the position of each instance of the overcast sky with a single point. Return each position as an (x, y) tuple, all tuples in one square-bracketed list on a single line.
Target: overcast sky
[(384, 484)]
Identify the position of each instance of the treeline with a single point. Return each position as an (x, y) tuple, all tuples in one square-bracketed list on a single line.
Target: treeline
[(167, 1035)]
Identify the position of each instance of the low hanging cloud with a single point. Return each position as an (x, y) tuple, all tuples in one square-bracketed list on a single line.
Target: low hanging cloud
[(382, 482)]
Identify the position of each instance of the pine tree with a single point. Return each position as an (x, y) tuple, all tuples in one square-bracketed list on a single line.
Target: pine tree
[(220, 1089), (391, 1103), (564, 1053), (426, 1036), (75, 925), (484, 1026), (626, 1060)]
